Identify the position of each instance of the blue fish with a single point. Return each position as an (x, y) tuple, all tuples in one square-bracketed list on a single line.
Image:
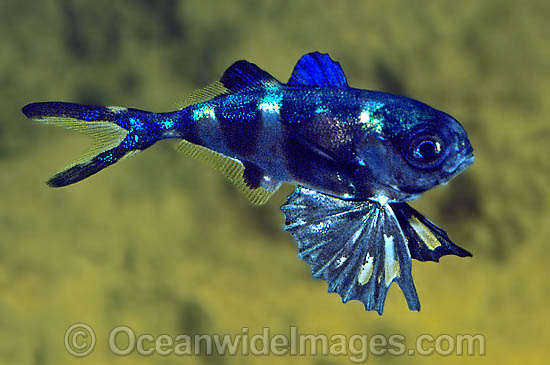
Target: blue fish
[(356, 155)]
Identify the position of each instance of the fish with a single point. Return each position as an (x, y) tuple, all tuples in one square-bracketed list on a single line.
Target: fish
[(357, 157)]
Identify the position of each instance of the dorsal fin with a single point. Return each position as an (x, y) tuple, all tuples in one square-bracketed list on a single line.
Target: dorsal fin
[(317, 69), (232, 169), (243, 74), (240, 75), (204, 94)]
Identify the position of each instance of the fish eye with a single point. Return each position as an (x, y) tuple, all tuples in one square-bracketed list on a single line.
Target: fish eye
[(425, 151)]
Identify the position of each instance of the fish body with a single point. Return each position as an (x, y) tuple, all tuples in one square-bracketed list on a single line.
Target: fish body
[(357, 156)]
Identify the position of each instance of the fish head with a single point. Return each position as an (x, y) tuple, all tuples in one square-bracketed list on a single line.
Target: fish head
[(417, 148)]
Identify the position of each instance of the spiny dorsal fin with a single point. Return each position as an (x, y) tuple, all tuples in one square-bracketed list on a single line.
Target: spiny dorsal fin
[(317, 69), (243, 74), (206, 93), (239, 76), (232, 169)]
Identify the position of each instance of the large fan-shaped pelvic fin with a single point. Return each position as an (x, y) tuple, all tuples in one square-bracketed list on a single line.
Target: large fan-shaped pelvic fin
[(358, 247), (427, 242)]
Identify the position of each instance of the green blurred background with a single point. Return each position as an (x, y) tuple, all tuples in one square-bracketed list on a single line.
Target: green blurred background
[(162, 244)]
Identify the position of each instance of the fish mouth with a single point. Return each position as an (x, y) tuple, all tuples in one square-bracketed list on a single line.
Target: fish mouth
[(467, 161)]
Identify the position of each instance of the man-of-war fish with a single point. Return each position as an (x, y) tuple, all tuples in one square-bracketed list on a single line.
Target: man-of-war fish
[(357, 157)]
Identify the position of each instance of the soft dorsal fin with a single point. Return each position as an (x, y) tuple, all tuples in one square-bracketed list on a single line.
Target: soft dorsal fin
[(206, 93), (233, 170), (317, 69), (243, 74)]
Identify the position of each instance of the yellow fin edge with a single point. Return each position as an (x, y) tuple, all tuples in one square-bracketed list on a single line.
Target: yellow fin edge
[(425, 234), (105, 134)]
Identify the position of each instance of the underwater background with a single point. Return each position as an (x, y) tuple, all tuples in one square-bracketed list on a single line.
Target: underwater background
[(164, 245)]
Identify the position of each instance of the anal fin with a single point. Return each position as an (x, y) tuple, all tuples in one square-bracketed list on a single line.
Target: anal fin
[(233, 170)]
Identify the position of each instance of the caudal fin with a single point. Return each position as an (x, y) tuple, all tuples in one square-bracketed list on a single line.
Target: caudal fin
[(103, 124)]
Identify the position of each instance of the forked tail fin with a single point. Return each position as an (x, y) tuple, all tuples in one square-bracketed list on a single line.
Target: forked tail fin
[(113, 130)]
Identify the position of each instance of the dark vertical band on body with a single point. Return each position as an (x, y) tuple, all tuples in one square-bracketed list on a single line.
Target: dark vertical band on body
[(241, 124)]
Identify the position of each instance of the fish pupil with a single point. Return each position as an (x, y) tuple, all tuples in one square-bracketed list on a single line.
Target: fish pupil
[(427, 150)]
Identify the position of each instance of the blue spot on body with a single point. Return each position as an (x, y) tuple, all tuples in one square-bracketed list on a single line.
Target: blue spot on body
[(136, 123), (109, 158), (167, 124), (90, 115)]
